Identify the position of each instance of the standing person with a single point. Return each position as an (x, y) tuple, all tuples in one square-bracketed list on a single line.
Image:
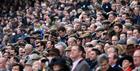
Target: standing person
[(92, 61), (79, 64), (136, 57)]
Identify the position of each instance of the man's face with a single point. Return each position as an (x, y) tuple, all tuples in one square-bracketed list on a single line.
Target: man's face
[(75, 52), (39, 47), (135, 33), (88, 51), (21, 51), (136, 57), (61, 33), (129, 33), (111, 17), (56, 67), (114, 40), (71, 42), (92, 28), (77, 26), (8, 48), (93, 55), (122, 36), (104, 65), (116, 29), (15, 68), (28, 49), (111, 58)]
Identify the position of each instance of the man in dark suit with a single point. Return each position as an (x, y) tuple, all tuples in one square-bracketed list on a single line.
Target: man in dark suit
[(77, 56), (113, 59), (103, 61)]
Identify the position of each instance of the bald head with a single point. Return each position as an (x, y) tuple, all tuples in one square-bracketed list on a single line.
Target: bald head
[(136, 57)]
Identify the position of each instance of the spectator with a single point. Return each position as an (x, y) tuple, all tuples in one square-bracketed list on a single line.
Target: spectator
[(104, 63), (59, 64), (127, 63), (17, 67), (113, 61), (40, 30), (3, 64), (136, 60), (79, 64), (92, 61)]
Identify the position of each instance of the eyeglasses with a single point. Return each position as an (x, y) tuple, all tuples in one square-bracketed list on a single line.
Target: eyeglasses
[(136, 56)]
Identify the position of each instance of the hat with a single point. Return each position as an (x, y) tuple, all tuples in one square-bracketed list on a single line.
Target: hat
[(32, 58), (58, 61), (61, 62), (53, 51)]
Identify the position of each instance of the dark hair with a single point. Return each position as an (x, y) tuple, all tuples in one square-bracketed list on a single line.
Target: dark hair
[(81, 48), (96, 51), (62, 28), (54, 51), (16, 59), (60, 61), (129, 58), (20, 66), (119, 25)]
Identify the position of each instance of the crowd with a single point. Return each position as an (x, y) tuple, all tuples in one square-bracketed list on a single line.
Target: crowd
[(69, 35)]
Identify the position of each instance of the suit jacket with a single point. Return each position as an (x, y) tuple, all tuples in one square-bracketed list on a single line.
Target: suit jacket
[(82, 66), (117, 68), (111, 69)]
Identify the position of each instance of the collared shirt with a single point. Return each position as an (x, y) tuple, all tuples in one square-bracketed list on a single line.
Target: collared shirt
[(75, 63), (113, 65)]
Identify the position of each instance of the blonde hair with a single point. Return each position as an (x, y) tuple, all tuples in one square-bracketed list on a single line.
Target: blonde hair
[(121, 48)]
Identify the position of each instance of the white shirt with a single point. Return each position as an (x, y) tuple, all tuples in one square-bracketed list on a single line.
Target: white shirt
[(74, 64)]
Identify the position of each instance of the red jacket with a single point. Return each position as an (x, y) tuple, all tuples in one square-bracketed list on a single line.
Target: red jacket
[(128, 69)]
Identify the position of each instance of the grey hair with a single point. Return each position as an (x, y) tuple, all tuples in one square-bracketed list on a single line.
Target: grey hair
[(102, 58), (61, 44)]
